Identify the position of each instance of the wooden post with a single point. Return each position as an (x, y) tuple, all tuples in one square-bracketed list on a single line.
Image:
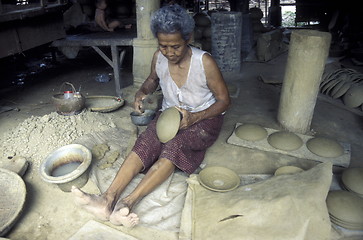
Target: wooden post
[(305, 65), (145, 44)]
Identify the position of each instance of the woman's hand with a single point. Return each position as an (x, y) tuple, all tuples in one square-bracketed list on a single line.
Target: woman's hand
[(187, 118), (138, 104)]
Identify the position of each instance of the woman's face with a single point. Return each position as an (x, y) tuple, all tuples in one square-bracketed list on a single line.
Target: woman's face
[(172, 46)]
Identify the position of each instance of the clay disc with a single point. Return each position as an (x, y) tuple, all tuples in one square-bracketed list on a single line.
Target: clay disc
[(352, 178), (283, 140), (285, 170), (251, 132), (354, 96), (324, 147), (168, 124), (345, 206)]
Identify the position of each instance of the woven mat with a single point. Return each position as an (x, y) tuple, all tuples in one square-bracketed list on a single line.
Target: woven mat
[(12, 199)]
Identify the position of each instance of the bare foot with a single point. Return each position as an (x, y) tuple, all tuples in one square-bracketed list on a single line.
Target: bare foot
[(94, 204), (121, 215)]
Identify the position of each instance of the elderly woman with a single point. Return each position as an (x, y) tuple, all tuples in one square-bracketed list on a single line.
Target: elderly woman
[(191, 81)]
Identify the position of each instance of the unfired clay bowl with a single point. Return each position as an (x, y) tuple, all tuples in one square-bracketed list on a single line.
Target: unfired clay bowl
[(354, 96), (325, 147), (168, 124), (284, 140), (286, 170), (219, 179), (251, 132), (346, 207), (352, 178)]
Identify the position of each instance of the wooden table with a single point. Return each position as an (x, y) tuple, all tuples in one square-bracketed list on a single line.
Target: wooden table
[(114, 40)]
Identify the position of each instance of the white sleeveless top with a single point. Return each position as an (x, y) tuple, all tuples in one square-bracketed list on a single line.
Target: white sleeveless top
[(194, 95)]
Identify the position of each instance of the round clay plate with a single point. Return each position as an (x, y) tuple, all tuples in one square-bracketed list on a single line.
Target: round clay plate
[(346, 206), (12, 199), (352, 178), (283, 140), (324, 147), (251, 132), (347, 225), (286, 170), (168, 124), (219, 179)]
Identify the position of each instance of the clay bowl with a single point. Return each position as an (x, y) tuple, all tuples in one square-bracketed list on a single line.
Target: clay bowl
[(354, 96), (168, 124), (219, 179), (352, 179), (142, 119), (251, 132), (284, 140), (287, 170), (345, 206), (325, 147)]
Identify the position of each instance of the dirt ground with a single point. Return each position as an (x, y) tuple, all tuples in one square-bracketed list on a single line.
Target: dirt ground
[(51, 214)]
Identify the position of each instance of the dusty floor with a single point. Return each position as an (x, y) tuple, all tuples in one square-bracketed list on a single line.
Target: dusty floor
[(50, 213)]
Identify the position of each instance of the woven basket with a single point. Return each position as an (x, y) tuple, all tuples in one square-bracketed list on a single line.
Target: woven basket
[(12, 199)]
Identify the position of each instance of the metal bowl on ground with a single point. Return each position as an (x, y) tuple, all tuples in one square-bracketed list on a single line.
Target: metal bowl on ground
[(142, 119), (68, 106), (67, 166)]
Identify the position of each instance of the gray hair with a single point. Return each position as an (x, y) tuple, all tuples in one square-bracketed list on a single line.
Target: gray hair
[(172, 19)]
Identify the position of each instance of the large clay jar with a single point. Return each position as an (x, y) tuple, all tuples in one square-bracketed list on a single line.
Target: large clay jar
[(168, 124)]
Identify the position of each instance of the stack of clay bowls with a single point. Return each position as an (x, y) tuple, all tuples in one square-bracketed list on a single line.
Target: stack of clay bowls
[(345, 209), (352, 181), (344, 83)]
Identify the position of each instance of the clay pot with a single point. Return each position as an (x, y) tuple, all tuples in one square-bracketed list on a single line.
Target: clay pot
[(68, 106)]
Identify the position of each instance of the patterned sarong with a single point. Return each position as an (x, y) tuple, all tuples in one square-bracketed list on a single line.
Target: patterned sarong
[(186, 150)]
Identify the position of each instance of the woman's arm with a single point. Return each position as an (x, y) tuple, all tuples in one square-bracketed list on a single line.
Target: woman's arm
[(149, 85), (219, 89)]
